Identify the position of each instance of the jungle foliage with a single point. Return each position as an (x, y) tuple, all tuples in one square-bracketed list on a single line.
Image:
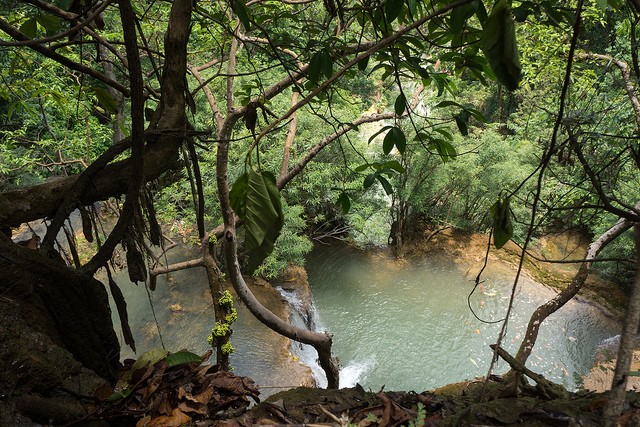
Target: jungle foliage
[(263, 124)]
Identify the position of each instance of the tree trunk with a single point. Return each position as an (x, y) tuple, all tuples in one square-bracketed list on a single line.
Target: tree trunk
[(76, 305), (627, 341), (216, 289), (320, 341), (546, 309)]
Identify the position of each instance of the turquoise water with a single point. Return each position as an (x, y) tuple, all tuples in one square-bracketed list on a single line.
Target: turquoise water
[(399, 325), (407, 326)]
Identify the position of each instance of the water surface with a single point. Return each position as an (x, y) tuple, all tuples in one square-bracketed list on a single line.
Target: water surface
[(407, 326)]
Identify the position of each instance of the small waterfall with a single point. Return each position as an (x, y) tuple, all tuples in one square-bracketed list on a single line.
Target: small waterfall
[(306, 316)]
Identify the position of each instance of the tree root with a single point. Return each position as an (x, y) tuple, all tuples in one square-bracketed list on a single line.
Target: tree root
[(545, 388)]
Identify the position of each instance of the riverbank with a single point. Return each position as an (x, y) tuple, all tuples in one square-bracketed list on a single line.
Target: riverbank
[(468, 250)]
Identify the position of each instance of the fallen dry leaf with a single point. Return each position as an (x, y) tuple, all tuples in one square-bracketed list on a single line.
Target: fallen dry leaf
[(193, 407), (176, 419)]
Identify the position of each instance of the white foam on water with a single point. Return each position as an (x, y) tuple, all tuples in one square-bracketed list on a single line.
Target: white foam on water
[(355, 372)]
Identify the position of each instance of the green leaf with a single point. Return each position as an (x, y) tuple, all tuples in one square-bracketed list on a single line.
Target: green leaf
[(392, 9), (242, 12), (461, 122), (385, 184), (400, 140), (327, 64), (29, 28), (502, 226), (445, 149), (526, 8), (315, 67), (182, 358), (384, 129), (395, 165), (369, 180), (443, 104), (500, 47), (362, 168), (264, 215), (345, 203), (238, 195), (149, 357), (444, 133), (260, 214), (413, 7), (388, 142), (603, 4), (460, 15), (400, 104), (395, 137), (117, 395), (51, 24), (362, 65)]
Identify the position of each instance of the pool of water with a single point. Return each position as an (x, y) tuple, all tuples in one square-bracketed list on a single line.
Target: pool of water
[(407, 325)]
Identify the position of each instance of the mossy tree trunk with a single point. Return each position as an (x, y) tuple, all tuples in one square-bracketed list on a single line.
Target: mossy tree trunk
[(627, 346)]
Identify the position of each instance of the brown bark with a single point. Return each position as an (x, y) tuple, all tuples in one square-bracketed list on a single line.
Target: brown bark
[(321, 341), (551, 306), (627, 343), (76, 305), (41, 201)]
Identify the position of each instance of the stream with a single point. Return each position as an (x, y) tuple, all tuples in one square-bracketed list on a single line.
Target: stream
[(403, 325)]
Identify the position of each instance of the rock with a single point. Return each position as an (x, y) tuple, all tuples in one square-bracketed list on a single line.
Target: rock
[(600, 377)]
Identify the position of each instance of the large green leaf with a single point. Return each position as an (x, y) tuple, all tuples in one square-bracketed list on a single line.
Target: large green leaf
[(255, 198), (241, 10), (315, 67), (500, 47), (502, 226), (265, 181), (51, 24), (345, 202), (260, 214), (385, 184), (29, 28), (460, 15), (182, 358), (238, 195), (392, 9), (400, 104)]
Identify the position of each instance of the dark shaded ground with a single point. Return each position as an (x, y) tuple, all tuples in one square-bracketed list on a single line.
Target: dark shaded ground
[(453, 405)]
